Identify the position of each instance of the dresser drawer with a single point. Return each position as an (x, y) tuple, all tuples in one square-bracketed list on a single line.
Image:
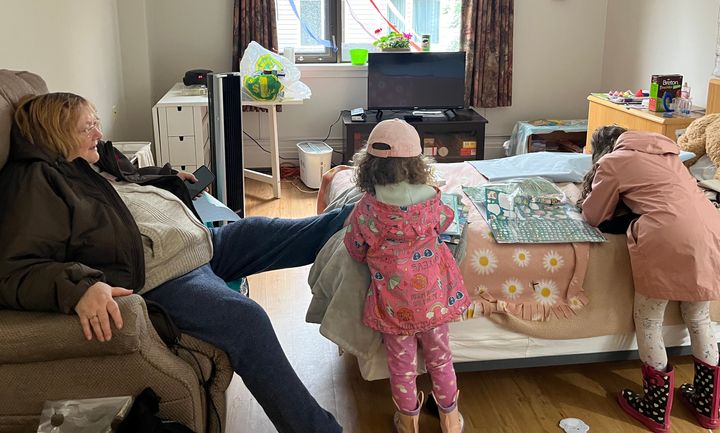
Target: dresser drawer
[(182, 150), (179, 121), (188, 168)]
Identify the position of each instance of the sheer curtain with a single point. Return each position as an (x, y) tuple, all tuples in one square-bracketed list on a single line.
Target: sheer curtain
[(487, 38)]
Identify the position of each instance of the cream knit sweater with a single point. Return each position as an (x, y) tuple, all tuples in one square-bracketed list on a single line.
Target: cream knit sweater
[(174, 241)]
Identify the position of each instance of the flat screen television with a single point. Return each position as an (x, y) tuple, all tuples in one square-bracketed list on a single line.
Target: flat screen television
[(427, 80)]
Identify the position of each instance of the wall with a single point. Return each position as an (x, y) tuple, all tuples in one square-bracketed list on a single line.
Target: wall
[(74, 45), (558, 46), (127, 54), (646, 37), (184, 35), (134, 52)]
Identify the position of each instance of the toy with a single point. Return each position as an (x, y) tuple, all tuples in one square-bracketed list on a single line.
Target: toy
[(703, 137)]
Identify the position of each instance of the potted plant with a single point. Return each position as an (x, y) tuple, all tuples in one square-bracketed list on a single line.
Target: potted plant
[(393, 41)]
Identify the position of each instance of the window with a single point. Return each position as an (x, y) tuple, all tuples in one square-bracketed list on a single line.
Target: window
[(314, 27)]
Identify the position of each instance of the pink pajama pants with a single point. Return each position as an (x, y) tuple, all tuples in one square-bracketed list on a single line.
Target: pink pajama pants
[(402, 363)]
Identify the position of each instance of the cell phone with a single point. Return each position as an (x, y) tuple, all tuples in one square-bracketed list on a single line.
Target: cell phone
[(204, 178)]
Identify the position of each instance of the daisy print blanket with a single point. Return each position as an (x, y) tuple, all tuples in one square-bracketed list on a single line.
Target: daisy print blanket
[(530, 281)]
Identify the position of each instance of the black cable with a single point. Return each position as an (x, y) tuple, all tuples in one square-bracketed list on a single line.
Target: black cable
[(330, 128), (205, 384), (265, 150)]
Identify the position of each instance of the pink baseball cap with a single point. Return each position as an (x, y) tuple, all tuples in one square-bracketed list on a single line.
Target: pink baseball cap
[(394, 138)]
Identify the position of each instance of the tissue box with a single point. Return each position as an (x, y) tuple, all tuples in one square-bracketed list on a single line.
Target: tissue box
[(659, 84)]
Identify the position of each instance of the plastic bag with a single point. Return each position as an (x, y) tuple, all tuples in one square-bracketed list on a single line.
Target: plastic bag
[(93, 415), (503, 197), (268, 76)]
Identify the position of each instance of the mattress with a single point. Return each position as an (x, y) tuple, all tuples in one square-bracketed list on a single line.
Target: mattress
[(480, 344)]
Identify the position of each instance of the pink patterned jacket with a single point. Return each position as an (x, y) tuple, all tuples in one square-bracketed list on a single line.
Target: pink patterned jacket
[(415, 282)]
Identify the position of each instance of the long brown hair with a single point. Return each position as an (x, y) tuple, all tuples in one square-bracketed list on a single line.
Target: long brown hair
[(603, 142), (50, 120), (372, 170)]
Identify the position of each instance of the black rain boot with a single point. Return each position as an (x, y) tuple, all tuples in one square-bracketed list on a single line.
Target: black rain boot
[(703, 397), (653, 407)]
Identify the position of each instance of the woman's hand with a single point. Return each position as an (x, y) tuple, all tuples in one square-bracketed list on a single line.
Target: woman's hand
[(184, 175), (97, 306)]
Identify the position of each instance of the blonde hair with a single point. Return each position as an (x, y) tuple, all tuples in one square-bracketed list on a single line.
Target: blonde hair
[(372, 170), (50, 120)]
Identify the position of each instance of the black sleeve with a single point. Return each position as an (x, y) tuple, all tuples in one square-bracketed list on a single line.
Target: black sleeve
[(35, 227)]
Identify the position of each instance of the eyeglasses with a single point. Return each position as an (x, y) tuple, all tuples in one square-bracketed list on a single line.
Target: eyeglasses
[(91, 127)]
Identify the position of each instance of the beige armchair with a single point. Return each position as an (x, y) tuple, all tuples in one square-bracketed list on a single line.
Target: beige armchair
[(44, 356)]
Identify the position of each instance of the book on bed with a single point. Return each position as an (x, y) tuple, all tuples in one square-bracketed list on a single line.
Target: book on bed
[(518, 219)]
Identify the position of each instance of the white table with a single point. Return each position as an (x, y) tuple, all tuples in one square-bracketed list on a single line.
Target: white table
[(274, 177)]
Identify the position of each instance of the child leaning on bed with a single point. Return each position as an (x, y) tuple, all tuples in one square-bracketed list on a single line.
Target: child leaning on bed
[(416, 287), (674, 247)]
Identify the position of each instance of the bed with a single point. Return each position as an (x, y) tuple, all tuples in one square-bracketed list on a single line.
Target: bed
[(593, 323)]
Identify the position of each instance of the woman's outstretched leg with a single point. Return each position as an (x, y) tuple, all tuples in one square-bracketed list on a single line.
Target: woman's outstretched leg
[(259, 244), (202, 306)]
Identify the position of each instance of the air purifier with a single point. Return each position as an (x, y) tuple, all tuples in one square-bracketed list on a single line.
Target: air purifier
[(315, 159)]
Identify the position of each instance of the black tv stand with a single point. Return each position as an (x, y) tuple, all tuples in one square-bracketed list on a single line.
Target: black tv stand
[(458, 135)]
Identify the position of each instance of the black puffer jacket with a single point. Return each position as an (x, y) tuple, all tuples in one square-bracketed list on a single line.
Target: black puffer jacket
[(62, 228)]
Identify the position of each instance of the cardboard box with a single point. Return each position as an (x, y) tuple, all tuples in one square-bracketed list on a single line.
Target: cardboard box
[(659, 85)]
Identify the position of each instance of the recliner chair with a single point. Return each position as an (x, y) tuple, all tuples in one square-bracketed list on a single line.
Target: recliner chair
[(44, 356)]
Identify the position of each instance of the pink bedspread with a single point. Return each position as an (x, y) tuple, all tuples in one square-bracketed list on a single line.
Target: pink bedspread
[(529, 281)]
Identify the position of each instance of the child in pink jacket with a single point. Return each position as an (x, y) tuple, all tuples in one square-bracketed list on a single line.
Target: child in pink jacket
[(674, 248), (416, 287)]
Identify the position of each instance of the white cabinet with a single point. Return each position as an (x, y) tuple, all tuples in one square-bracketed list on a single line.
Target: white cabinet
[(180, 125)]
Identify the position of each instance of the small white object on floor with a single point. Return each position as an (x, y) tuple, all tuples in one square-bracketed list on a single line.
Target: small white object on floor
[(574, 425)]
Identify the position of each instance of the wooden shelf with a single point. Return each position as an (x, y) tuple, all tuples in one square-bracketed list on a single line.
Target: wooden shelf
[(713, 96), (602, 112)]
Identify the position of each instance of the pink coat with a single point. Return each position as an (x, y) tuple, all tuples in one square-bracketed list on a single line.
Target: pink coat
[(415, 282), (675, 243)]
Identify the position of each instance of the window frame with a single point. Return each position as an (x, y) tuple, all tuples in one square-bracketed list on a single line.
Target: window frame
[(333, 13), (334, 30)]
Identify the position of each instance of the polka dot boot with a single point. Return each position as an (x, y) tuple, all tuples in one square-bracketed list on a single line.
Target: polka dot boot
[(652, 408), (702, 397)]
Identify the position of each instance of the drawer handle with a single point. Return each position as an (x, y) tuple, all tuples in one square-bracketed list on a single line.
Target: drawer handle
[(179, 108), (181, 138)]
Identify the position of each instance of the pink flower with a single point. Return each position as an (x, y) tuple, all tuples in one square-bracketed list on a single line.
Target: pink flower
[(377, 31), (407, 35)]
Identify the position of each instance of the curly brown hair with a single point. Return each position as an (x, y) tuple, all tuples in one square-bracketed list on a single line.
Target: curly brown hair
[(372, 170), (603, 142)]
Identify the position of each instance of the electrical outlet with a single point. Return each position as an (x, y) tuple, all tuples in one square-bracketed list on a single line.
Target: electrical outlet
[(115, 111)]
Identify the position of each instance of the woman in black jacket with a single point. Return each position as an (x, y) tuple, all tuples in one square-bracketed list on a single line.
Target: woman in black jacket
[(71, 243)]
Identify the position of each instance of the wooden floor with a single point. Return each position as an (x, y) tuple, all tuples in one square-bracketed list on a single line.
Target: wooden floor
[(505, 401)]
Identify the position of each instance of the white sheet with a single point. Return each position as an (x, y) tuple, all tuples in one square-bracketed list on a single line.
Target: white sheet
[(482, 340)]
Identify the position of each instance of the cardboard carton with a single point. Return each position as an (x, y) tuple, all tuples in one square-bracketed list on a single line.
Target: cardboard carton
[(659, 85)]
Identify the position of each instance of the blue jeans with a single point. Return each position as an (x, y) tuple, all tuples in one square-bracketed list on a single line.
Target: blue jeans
[(203, 306)]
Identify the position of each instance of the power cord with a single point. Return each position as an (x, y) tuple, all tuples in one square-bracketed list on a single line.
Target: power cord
[(265, 150), (330, 129)]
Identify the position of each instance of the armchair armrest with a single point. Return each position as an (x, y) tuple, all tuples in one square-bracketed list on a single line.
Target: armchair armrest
[(28, 336)]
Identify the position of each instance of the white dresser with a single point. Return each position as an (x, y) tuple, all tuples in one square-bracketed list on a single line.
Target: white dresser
[(180, 126)]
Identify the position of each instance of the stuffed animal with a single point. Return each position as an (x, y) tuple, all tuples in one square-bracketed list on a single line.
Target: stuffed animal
[(703, 137)]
